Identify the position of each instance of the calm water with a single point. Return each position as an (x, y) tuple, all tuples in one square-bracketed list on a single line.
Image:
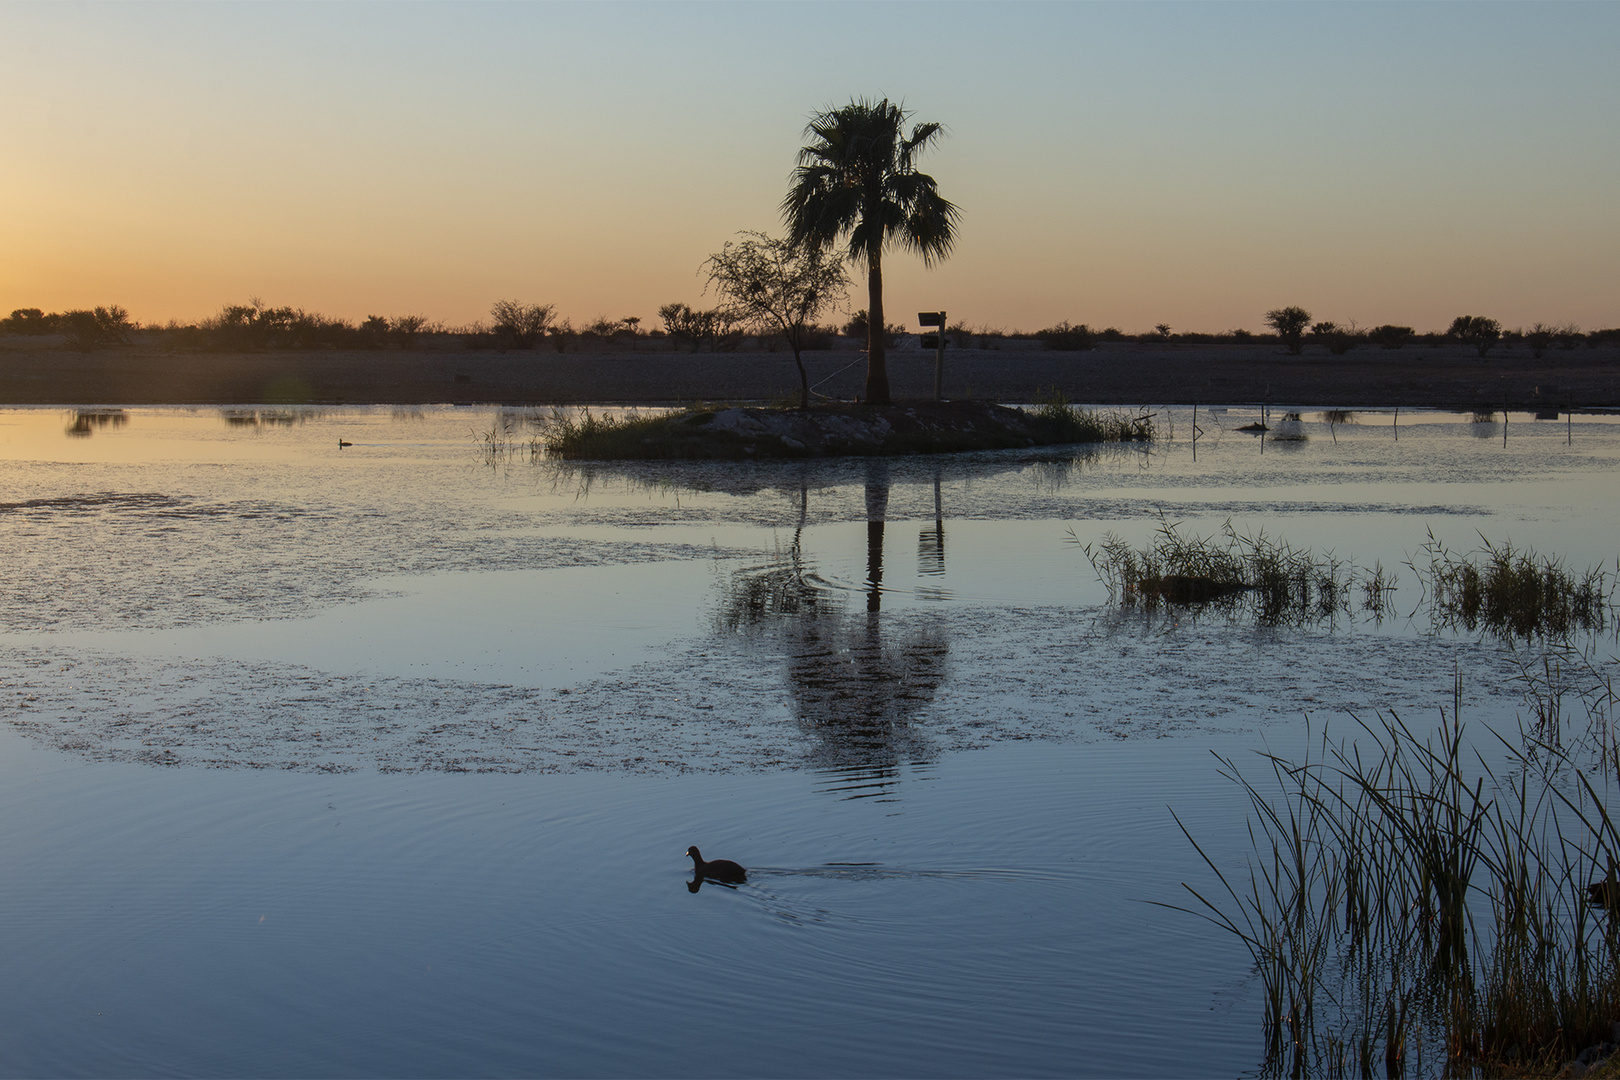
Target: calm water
[(381, 759)]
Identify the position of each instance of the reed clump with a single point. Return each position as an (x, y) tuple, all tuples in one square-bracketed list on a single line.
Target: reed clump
[(1231, 571), (1055, 421), (1405, 900), (586, 435), (1515, 593)]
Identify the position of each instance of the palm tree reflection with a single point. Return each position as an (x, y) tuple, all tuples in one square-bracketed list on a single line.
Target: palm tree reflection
[(857, 685)]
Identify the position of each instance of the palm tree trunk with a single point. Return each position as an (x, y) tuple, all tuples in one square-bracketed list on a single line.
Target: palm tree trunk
[(877, 368)]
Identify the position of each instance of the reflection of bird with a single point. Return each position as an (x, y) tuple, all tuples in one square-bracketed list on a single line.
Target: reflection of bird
[(342, 444), (718, 870), (1606, 893)]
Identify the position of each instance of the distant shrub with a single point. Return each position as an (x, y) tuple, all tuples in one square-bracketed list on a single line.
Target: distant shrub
[(29, 321), (1390, 336), (408, 329), (1241, 335), (1337, 339), (100, 326), (1603, 337), (1475, 330), (1538, 337), (714, 328), (1568, 336), (518, 325), (253, 326), (84, 329), (1290, 324), (1113, 333), (1067, 337), (856, 328)]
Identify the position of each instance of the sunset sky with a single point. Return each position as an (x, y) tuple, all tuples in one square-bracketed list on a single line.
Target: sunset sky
[(1120, 165)]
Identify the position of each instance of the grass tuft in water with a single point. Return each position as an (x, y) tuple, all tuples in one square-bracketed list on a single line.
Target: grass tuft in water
[(1515, 593), (1057, 421), (571, 435), (1402, 898), (1231, 571)]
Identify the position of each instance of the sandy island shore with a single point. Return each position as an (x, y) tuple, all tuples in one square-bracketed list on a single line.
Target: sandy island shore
[(1447, 377)]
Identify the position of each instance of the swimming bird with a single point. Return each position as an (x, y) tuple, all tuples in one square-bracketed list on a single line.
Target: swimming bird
[(1604, 893), (342, 443), (718, 870)]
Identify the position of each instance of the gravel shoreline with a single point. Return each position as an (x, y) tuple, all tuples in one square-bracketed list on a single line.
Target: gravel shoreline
[(1127, 374)]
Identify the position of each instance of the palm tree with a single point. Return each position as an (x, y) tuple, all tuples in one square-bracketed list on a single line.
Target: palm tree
[(858, 176)]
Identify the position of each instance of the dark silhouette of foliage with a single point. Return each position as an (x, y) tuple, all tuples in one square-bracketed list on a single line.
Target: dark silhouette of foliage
[(857, 177), (1390, 336), (715, 328), (769, 281), (254, 326), (1337, 339), (1476, 330), (30, 321), (1290, 324), (85, 330), (521, 326), (1066, 337), (859, 327)]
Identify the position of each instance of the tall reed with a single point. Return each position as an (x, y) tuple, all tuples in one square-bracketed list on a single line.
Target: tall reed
[(1403, 894)]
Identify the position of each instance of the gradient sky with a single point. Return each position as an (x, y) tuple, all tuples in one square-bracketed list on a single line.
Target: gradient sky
[(1117, 165)]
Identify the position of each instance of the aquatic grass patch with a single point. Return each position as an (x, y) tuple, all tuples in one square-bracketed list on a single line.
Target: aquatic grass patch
[(681, 433), (1233, 572), (1057, 421), (1514, 593), (1510, 593), (1404, 901)]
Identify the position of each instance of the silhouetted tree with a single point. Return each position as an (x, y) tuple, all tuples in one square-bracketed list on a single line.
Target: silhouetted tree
[(716, 328), (100, 326), (858, 177), (1389, 336), (770, 281), (1290, 324), (521, 325), (1476, 330), (30, 321), (1066, 337)]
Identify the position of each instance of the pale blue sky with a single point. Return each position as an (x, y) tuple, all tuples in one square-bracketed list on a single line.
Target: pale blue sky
[(1118, 164)]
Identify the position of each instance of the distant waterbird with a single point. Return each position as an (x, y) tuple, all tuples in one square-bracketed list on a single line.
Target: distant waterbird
[(343, 442), (722, 870)]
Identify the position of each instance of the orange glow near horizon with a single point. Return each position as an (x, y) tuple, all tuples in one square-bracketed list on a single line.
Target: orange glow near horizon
[(1203, 165)]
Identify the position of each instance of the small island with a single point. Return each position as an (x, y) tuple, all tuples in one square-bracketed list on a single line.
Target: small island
[(742, 432)]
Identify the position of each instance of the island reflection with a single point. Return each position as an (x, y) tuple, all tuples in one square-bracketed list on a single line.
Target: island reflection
[(857, 684)]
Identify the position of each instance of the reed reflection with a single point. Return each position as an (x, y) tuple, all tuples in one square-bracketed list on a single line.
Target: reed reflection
[(265, 418), (87, 421), (857, 682)]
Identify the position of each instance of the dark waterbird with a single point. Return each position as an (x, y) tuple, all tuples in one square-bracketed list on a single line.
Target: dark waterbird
[(1604, 894), (723, 870)]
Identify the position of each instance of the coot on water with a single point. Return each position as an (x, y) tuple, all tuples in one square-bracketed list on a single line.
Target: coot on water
[(718, 870)]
